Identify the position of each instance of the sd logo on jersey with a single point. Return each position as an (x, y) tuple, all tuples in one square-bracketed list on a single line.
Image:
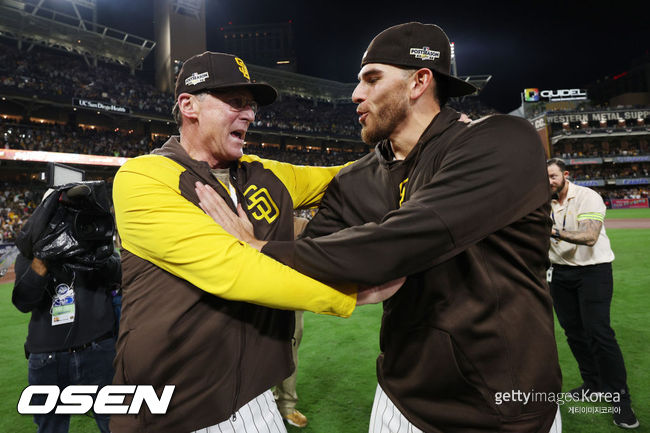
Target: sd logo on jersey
[(259, 200)]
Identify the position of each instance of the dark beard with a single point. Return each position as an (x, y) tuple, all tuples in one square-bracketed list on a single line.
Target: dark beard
[(556, 192), (389, 116)]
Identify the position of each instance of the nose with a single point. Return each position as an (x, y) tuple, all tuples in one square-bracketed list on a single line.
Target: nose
[(247, 114), (358, 96)]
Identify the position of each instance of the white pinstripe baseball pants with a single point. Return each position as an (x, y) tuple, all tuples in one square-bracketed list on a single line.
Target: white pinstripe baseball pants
[(260, 415), (387, 418)]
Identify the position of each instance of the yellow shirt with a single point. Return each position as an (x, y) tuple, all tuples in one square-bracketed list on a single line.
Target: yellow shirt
[(157, 224)]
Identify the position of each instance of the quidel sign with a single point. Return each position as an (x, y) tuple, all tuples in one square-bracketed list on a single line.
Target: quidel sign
[(532, 94)]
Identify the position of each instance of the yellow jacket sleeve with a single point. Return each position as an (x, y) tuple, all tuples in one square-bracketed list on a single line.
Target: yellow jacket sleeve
[(306, 184), (157, 224)]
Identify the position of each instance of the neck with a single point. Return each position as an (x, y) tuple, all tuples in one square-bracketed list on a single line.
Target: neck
[(200, 153), (408, 133)]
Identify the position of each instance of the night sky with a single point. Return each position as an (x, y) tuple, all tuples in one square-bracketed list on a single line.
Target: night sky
[(548, 45)]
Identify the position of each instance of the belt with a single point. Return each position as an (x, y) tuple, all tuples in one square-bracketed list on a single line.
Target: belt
[(87, 345)]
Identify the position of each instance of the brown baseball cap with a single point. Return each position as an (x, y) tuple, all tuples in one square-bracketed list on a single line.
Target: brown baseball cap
[(210, 71), (417, 45)]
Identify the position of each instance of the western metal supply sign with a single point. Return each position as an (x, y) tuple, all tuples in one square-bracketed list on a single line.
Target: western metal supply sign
[(533, 94), (97, 105), (597, 116)]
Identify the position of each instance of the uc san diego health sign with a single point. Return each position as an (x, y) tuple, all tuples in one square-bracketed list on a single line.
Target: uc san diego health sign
[(98, 105)]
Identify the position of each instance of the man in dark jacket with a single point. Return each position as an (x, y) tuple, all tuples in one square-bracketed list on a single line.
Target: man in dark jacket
[(467, 344), (65, 282)]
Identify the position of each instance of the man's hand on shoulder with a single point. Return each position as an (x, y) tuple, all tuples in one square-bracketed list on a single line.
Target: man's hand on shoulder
[(237, 225)]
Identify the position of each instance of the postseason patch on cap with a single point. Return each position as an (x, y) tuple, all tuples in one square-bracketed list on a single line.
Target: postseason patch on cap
[(424, 53), (195, 78)]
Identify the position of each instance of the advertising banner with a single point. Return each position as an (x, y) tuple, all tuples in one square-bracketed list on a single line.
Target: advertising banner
[(97, 105), (590, 182), (598, 116), (581, 161), (69, 158), (633, 181), (629, 203), (622, 159)]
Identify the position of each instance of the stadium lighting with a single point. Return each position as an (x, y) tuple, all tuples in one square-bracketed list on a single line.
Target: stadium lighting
[(454, 72)]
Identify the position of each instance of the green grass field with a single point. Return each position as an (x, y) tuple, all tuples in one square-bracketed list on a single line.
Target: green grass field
[(627, 213), (336, 376)]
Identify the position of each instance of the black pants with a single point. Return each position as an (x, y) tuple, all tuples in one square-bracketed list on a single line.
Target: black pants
[(582, 296)]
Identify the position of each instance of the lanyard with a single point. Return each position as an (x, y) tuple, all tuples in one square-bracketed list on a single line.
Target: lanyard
[(563, 222)]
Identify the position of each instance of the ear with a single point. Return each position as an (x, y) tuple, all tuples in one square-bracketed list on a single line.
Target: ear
[(420, 82), (188, 105)]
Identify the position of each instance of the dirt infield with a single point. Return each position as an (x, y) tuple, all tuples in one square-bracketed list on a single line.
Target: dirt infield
[(627, 223), (9, 276)]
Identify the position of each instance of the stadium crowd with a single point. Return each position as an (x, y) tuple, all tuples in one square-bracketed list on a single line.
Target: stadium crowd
[(601, 148), (62, 77), (610, 171), (17, 202), (626, 193), (68, 139), (305, 157), (59, 77), (293, 113)]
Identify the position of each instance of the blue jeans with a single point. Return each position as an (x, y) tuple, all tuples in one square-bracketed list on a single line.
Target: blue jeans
[(90, 366)]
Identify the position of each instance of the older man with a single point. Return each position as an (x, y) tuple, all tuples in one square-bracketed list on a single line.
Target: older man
[(467, 344), (200, 309)]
